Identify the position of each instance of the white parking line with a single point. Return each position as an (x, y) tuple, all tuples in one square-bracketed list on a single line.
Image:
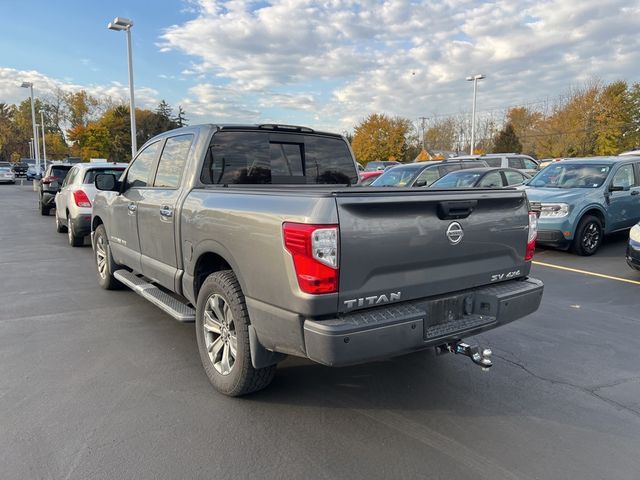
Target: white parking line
[(585, 272)]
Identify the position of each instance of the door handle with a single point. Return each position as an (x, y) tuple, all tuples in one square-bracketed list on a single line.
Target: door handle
[(132, 207), (635, 192), (166, 211)]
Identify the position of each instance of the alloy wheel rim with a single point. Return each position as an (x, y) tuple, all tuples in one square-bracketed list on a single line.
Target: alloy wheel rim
[(101, 257), (591, 236), (220, 337)]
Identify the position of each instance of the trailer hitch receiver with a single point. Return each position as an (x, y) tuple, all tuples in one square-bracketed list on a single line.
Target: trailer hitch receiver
[(479, 356)]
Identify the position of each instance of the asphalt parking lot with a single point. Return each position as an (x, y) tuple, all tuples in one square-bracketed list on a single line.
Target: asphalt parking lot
[(99, 384)]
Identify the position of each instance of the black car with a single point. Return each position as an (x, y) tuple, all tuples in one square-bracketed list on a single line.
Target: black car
[(482, 178), (50, 185), (20, 168)]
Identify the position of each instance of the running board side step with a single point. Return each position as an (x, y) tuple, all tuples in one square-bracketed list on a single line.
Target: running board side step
[(160, 298)]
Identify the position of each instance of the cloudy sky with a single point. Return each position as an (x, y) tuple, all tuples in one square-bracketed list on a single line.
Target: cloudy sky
[(324, 64)]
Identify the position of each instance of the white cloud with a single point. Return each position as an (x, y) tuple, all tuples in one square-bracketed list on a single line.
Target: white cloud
[(11, 92), (399, 57)]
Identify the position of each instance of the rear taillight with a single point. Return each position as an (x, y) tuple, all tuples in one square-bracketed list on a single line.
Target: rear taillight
[(531, 239), (81, 199), (314, 249), (48, 179)]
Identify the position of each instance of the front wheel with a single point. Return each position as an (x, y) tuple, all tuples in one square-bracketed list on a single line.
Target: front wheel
[(105, 266), (60, 228), (588, 236), (222, 331)]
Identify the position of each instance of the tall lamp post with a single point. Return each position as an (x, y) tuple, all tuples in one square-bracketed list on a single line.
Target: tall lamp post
[(44, 141), (118, 25), (36, 143), (474, 79)]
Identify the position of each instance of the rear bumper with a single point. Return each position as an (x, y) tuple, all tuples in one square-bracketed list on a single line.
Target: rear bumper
[(552, 238), (82, 224), (406, 327)]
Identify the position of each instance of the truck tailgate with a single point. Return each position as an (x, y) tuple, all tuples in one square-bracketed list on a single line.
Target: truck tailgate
[(394, 244)]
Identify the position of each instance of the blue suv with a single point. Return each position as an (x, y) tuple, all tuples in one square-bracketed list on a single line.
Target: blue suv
[(581, 200)]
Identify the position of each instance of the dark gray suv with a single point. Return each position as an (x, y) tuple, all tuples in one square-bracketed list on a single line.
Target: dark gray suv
[(50, 185)]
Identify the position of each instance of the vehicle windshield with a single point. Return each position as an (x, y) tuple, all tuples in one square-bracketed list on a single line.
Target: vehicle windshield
[(90, 176), (571, 175), (396, 177), (59, 172), (459, 179)]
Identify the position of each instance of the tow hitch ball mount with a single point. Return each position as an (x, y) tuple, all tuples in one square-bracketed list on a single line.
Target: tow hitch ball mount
[(479, 356)]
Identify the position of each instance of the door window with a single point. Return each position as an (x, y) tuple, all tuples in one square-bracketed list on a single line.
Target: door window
[(494, 161), (427, 177), (172, 161), (138, 173), (516, 162), (530, 164), (491, 180), (624, 177), (513, 178)]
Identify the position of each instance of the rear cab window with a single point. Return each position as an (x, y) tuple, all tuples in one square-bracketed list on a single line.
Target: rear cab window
[(254, 157)]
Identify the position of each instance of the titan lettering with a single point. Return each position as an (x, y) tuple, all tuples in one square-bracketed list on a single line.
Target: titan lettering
[(373, 300)]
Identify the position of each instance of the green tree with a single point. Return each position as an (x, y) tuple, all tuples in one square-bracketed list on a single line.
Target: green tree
[(181, 119), (164, 110), (507, 141), (81, 108), (380, 137)]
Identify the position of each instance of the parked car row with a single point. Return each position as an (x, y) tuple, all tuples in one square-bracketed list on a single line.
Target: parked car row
[(578, 201)]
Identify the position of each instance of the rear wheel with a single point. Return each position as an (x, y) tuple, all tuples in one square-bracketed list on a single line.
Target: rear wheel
[(588, 236), (74, 240), (105, 266), (222, 331)]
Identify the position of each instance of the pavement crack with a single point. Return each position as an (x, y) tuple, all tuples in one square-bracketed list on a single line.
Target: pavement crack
[(592, 391)]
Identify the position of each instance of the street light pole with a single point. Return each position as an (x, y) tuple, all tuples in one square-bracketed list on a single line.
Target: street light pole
[(125, 24), (36, 146), (474, 79), (31, 148), (44, 141)]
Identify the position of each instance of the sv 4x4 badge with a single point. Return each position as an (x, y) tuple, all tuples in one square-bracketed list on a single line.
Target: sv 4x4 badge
[(505, 276)]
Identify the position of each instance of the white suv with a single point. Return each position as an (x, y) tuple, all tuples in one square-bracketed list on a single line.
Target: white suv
[(74, 201), (521, 162)]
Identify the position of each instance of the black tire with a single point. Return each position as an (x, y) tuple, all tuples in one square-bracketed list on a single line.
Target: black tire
[(242, 378), (588, 236), (106, 279), (74, 240), (60, 228), (44, 210)]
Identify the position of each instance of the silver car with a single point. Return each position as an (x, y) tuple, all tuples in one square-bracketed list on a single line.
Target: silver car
[(74, 202), (6, 174)]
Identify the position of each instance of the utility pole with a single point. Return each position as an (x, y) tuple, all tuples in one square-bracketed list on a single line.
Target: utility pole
[(422, 125)]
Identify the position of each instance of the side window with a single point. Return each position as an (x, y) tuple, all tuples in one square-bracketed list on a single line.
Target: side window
[(624, 177), (172, 160), (491, 180), (70, 177), (515, 162), (513, 178), (530, 164), (138, 173), (427, 177), (494, 161)]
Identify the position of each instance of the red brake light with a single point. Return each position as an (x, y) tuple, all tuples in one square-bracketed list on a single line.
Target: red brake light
[(314, 249), (531, 239), (81, 199), (48, 179)]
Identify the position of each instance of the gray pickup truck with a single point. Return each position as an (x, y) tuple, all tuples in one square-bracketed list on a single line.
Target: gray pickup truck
[(257, 233)]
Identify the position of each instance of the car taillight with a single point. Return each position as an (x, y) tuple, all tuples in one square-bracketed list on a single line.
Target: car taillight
[(81, 199), (48, 179), (531, 239), (314, 249)]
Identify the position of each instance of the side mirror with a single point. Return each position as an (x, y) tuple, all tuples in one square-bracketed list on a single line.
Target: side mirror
[(420, 183), (616, 188), (106, 182)]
